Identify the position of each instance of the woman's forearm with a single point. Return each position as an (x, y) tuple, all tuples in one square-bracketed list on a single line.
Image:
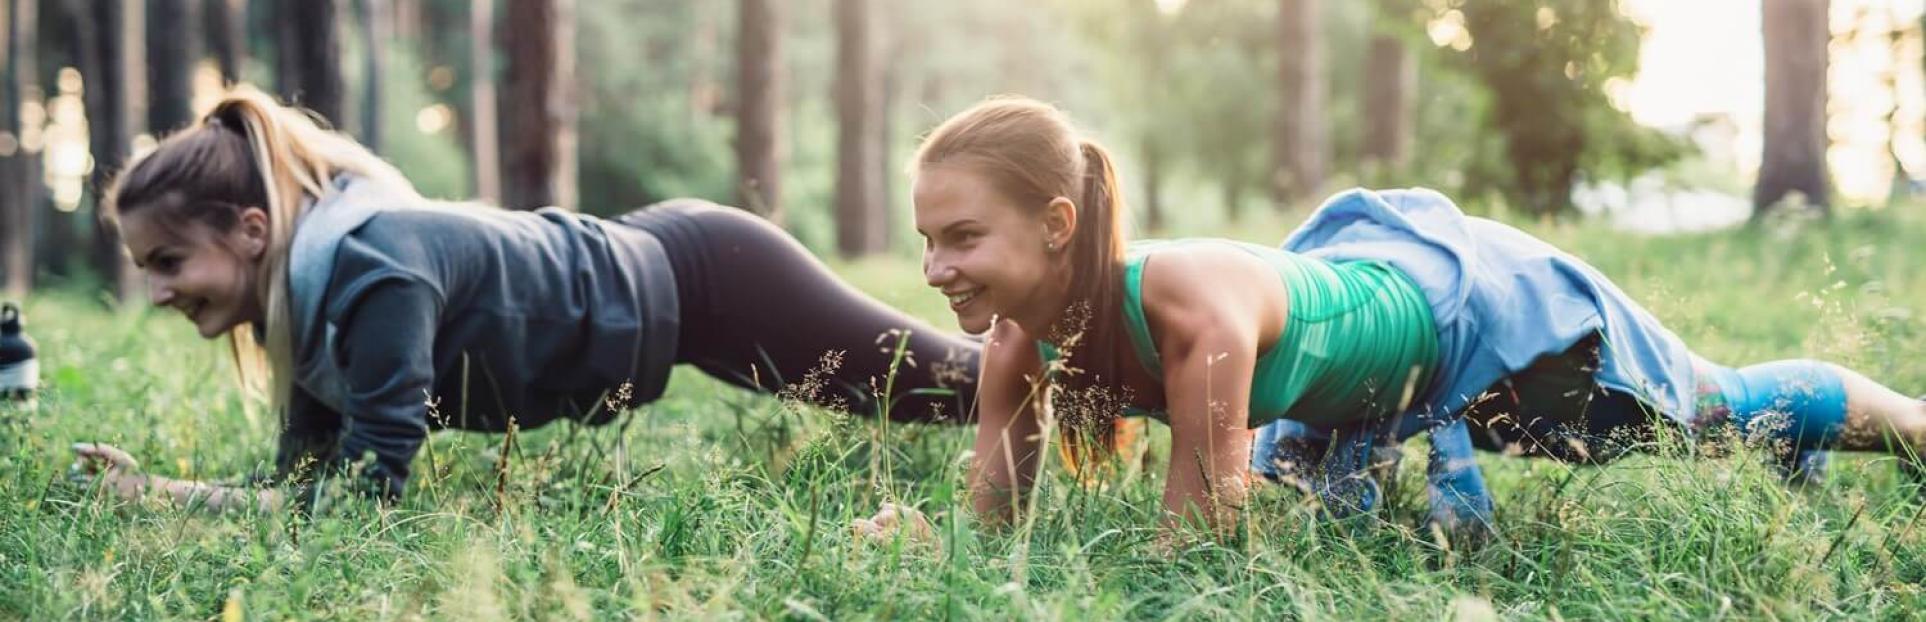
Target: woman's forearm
[(999, 479), (1204, 495), (1207, 388), (197, 494), (994, 504)]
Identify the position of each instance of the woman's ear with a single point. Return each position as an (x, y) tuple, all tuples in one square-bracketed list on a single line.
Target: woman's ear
[(251, 233), (1059, 223)]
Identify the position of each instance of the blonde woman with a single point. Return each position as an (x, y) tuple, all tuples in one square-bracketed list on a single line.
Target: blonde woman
[(366, 300)]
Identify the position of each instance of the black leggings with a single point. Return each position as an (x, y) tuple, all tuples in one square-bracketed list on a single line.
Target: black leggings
[(1555, 408), (760, 312)]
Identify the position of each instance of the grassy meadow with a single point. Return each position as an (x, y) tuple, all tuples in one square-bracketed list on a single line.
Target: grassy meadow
[(717, 504)]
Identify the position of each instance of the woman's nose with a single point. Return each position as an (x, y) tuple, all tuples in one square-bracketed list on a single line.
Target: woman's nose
[(159, 291), (937, 272)]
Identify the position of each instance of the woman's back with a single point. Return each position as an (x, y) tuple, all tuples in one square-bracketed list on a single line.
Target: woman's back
[(1358, 339), (531, 315)]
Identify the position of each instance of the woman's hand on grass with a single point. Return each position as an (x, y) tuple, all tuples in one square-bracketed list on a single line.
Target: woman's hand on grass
[(118, 471), (891, 519), (112, 467)]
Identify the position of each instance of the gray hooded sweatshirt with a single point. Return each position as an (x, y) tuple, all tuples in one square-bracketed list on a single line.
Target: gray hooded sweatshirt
[(494, 316)]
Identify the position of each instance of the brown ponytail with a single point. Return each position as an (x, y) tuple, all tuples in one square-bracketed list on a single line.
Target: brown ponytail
[(1032, 153), (1093, 408), (250, 151)]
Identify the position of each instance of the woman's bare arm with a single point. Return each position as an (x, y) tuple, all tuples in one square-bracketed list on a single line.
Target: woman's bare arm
[(1208, 312), (119, 472), (1010, 397)]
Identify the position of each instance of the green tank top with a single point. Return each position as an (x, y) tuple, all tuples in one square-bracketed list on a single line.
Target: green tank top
[(1358, 334)]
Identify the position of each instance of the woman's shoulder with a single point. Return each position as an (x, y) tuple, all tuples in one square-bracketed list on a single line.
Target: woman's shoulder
[(1140, 251), (1188, 289), (1186, 268)]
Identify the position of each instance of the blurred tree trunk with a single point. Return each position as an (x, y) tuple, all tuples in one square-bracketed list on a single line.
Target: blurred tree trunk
[(890, 38), (407, 21), (705, 59), (1302, 143), (759, 107), (172, 50), (538, 93), (310, 57), (13, 237), (377, 30), (1153, 185), (1794, 158), (226, 24), (1391, 77), (109, 36), (441, 21), (1900, 186), (20, 186), (483, 124), (58, 242), (1152, 38), (859, 211)]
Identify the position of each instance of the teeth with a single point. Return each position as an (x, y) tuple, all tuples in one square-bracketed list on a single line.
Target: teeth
[(957, 299)]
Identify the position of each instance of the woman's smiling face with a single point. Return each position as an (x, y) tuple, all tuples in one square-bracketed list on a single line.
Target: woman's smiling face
[(208, 275), (991, 257)]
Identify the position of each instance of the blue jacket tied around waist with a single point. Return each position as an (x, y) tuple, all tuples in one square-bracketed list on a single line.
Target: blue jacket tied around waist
[(1501, 299)]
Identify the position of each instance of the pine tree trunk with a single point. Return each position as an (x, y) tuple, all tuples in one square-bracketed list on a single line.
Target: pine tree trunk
[(310, 57), (538, 95), (484, 125), (758, 107), (1153, 186), (1301, 139), (1391, 77), (1794, 157), (705, 57), (226, 25), (886, 158), (20, 187), (111, 46), (12, 235), (377, 30), (859, 211), (173, 28), (407, 21)]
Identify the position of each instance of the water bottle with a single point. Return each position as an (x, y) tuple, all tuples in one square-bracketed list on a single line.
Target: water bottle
[(19, 371)]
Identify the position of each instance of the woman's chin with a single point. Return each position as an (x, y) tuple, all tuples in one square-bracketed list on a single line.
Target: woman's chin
[(211, 329), (973, 323)]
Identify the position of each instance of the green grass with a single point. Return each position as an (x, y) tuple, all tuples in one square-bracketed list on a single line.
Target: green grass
[(712, 503)]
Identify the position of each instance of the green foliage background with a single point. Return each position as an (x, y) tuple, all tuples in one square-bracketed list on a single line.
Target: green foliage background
[(1195, 86)]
